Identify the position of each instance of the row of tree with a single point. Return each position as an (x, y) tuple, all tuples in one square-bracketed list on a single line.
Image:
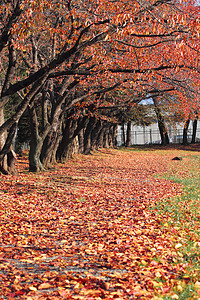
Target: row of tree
[(166, 120), (70, 69)]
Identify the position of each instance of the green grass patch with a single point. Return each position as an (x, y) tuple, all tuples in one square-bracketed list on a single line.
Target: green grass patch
[(180, 218)]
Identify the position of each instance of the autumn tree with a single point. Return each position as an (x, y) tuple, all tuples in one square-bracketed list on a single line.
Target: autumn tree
[(194, 129), (25, 49), (148, 45)]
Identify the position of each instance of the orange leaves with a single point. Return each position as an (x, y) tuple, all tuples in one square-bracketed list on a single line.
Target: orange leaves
[(33, 288), (44, 285), (84, 231)]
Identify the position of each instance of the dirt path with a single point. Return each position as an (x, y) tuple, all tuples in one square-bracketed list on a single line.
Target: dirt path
[(84, 231)]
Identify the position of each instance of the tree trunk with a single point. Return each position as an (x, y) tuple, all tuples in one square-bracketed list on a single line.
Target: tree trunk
[(54, 151), (194, 131), (51, 143), (87, 135), (81, 141), (47, 149), (35, 164), (11, 161), (71, 130), (3, 162), (185, 132), (128, 134), (123, 135), (36, 143), (101, 136), (105, 138), (72, 148), (161, 124), (8, 152), (110, 136), (62, 152), (95, 134), (7, 155), (75, 145), (115, 135)]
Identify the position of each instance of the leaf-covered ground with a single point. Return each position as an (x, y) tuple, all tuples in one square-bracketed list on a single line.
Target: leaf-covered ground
[(112, 225)]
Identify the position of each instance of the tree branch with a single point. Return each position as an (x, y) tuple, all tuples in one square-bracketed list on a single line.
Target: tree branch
[(62, 57), (5, 32)]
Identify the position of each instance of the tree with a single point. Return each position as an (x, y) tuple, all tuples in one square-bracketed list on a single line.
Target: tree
[(194, 131), (161, 123), (94, 44)]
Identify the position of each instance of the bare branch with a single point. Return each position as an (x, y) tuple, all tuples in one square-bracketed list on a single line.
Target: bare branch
[(5, 32)]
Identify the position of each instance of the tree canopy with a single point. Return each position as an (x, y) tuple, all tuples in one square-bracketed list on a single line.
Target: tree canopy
[(67, 55)]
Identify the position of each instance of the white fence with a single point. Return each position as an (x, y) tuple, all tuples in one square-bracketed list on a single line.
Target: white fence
[(150, 134)]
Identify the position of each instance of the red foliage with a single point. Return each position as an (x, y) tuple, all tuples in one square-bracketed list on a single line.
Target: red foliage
[(84, 231)]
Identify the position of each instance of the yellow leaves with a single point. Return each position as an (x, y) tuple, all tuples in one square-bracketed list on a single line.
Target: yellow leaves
[(107, 37), (158, 274), (179, 288), (179, 245), (90, 251), (100, 247), (143, 262), (29, 261), (44, 285), (78, 285), (197, 285), (90, 292), (156, 284), (63, 291), (175, 296), (32, 288)]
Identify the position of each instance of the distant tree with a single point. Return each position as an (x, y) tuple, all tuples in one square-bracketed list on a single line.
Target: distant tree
[(185, 131), (194, 130), (161, 123)]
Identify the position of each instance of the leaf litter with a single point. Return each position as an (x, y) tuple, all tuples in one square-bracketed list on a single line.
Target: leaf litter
[(85, 231)]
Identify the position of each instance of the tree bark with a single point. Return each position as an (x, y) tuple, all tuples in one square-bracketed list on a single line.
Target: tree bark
[(11, 161), (71, 130), (185, 131), (100, 139), (115, 135), (123, 135), (81, 141), (161, 123), (35, 164), (62, 152), (87, 135), (106, 138), (43, 152), (110, 136), (3, 163), (51, 143), (48, 149), (94, 135), (36, 142), (194, 131), (8, 152), (7, 155), (128, 134)]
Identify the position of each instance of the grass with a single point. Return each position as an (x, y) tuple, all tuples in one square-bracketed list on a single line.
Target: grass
[(182, 221)]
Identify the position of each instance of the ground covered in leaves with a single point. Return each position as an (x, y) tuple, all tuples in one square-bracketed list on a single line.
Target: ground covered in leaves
[(118, 224)]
